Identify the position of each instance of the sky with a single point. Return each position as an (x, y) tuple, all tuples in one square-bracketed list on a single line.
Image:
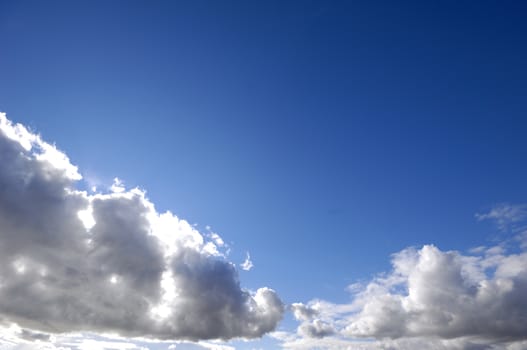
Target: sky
[(263, 175)]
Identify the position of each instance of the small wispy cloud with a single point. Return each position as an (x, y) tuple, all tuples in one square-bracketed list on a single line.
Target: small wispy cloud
[(247, 265), (505, 215)]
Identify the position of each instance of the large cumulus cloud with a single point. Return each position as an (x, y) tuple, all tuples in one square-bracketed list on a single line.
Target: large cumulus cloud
[(109, 262), (447, 294), (432, 299)]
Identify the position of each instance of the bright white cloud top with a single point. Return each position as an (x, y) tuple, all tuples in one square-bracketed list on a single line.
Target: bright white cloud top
[(432, 299), (109, 262)]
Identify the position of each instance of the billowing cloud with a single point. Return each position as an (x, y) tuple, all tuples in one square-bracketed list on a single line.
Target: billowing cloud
[(109, 262), (432, 299), (316, 329), (303, 312), (448, 295), (312, 326)]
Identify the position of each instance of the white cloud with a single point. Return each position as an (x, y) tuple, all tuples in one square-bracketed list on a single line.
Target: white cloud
[(201, 345), (414, 343), (16, 338), (91, 344), (505, 215), (314, 323), (105, 262), (316, 329), (117, 186), (214, 346), (432, 299), (247, 265), (303, 312)]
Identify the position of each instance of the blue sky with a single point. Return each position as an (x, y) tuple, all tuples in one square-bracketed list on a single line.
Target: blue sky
[(319, 137)]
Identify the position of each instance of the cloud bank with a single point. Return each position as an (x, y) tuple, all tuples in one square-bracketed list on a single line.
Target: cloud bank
[(109, 262), (432, 299)]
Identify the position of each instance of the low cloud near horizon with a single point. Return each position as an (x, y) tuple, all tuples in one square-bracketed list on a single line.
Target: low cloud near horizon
[(71, 261), (432, 299)]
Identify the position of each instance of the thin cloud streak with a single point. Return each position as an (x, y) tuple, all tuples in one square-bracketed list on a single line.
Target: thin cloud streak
[(505, 215)]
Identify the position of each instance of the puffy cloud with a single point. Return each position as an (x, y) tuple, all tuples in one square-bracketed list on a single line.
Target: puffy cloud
[(303, 312), (312, 326), (109, 262), (432, 299), (316, 329), (448, 295)]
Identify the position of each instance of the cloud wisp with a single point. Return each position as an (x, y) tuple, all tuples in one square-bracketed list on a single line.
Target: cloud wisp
[(432, 299), (71, 261), (247, 264), (505, 215)]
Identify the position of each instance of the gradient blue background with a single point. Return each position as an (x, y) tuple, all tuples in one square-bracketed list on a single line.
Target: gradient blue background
[(319, 136)]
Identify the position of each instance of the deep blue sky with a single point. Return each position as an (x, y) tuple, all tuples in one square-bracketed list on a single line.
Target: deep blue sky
[(319, 136)]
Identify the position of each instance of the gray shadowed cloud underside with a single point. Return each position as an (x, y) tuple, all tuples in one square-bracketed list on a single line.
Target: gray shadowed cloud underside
[(109, 262)]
